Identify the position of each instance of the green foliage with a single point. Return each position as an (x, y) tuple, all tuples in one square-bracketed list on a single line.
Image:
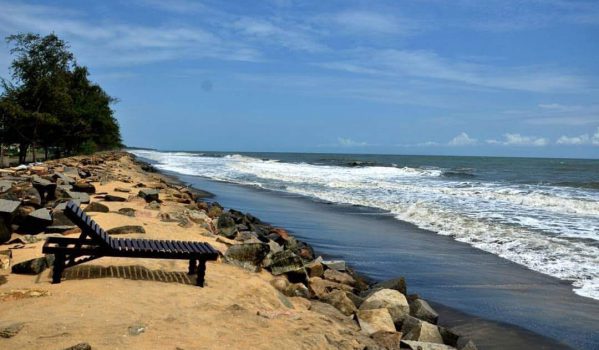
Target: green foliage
[(51, 102)]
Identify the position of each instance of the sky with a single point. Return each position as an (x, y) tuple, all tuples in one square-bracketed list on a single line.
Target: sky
[(463, 77)]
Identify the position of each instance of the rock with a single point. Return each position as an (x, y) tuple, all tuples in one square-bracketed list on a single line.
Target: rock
[(394, 301), (375, 320), (80, 346), (85, 187), (96, 207), (388, 340), (339, 277), (247, 255), (5, 230), (31, 196), (122, 189), (62, 177), (315, 269), (321, 287), (127, 212), (123, 230), (297, 290), (419, 308), (60, 219), (8, 209), (82, 197), (36, 221), (280, 284), (284, 262), (338, 265), (449, 337), (469, 346), (355, 299), (5, 185), (137, 329), (33, 266), (198, 217), (153, 206), (419, 345), (63, 205), (5, 257), (339, 300), (415, 329), (399, 284), (45, 188), (149, 194), (111, 198), (11, 330), (226, 226)]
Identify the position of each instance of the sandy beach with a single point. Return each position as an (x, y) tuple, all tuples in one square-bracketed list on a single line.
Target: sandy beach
[(237, 309)]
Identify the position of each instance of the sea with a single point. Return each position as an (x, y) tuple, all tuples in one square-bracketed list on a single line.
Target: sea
[(541, 213)]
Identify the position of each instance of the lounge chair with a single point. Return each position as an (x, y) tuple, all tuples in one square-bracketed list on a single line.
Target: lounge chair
[(95, 243)]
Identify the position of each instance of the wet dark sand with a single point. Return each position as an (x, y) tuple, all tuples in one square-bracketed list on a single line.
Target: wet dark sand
[(500, 304)]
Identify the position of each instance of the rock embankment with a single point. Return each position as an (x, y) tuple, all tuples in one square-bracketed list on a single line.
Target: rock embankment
[(32, 200)]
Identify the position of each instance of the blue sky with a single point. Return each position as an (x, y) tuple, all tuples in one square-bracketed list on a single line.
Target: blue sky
[(462, 77)]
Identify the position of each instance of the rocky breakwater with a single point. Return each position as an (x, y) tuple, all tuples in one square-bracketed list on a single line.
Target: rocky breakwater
[(384, 311)]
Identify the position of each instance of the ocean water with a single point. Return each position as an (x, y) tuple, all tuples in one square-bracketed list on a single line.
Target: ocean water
[(540, 213)]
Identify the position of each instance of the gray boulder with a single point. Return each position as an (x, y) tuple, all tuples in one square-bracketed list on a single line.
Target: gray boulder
[(127, 212), (36, 221), (149, 194), (96, 207), (33, 266), (284, 262), (246, 255), (419, 308), (11, 330), (127, 229), (394, 301), (5, 231), (415, 329), (375, 320), (340, 300), (419, 345), (111, 198), (226, 226), (338, 265), (85, 187)]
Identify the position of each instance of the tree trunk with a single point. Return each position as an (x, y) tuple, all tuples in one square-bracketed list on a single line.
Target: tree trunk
[(33, 147), (23, 152), (45, 153)]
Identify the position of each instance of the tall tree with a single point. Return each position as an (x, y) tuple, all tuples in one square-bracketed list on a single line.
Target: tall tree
[(50, 101)]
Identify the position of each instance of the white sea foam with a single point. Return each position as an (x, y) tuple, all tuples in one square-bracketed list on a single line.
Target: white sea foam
[(553, 230)]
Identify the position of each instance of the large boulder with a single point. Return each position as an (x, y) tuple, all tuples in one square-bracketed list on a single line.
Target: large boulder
[(340, 300), (96, 207), (36, 221), (284, 262), (387, 340), (338, 265), (339, 277), (321, 287), (226, 226), (5, 231), (83, 186), (127, 229), (149, 194), (419, 308), (45, 188), (375, 320), (33, 266), (394, 301), (399, 284), (247, 255), (315, 268), (8, 208), (112, 198), (415, 329)]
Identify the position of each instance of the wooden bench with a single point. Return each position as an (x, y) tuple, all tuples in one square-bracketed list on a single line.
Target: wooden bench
[(95, 243)]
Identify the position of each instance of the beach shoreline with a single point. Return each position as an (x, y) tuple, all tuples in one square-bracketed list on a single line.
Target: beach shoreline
[(103, 311)]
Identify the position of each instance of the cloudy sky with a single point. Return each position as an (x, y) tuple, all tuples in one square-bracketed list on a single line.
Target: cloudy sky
[(464, 77)]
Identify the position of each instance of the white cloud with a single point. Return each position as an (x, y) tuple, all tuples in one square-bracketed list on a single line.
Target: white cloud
[(429, 65), (462, 140), (347, 142), (368, 22), (519, 140), (286, 35), (583, 139)]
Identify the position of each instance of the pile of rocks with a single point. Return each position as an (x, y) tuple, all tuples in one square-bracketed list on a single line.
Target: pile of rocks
[(384, 311)]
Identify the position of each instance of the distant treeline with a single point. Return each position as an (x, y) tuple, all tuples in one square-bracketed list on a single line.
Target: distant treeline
[(49, 103)]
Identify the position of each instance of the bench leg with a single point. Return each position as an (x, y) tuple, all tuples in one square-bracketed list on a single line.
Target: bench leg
[(192, 266), (201, 273), (58, 268)]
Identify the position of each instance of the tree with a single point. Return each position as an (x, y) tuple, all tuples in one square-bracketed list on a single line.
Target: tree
[(51, 102)]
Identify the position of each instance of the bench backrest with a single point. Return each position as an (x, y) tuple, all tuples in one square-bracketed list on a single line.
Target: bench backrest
[(89, 228)]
